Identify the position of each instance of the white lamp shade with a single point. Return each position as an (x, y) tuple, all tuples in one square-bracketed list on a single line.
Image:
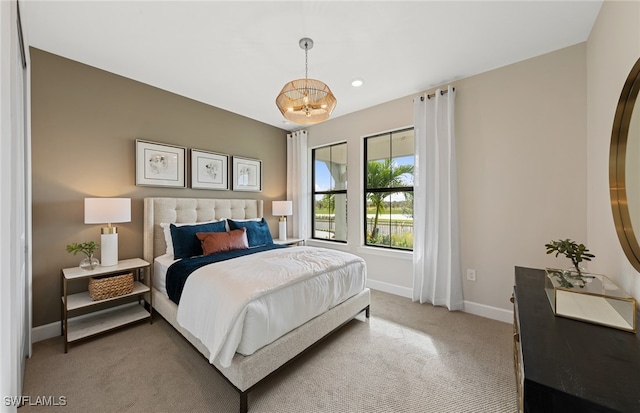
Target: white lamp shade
[(282, 208), (107, 210)]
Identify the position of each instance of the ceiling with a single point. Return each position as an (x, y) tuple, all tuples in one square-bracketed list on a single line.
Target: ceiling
[(237, 55)]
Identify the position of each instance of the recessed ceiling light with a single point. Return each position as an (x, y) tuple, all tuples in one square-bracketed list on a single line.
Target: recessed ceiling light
[(357, 82)]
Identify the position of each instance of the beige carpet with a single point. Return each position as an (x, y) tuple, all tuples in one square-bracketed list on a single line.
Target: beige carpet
[(407, 358)]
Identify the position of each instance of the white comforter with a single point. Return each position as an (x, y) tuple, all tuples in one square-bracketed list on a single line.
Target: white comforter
[(214, 301)]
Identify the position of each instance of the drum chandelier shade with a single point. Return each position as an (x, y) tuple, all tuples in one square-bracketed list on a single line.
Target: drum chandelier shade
[(306, 101)]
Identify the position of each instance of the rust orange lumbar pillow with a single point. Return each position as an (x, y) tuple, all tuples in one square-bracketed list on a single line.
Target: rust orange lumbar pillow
[(215, 242)]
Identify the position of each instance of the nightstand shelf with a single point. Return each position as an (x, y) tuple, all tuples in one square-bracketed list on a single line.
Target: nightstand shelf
[(118, 315), (101, 321), (82, 300)]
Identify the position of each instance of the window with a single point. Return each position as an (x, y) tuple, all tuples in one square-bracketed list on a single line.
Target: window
[(388, 189), (330, 192)]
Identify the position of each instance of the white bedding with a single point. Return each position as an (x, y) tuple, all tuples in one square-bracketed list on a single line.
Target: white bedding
[(160, 266), (289, 287)]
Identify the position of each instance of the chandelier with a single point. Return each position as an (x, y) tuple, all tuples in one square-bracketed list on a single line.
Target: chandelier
[(306, 101)]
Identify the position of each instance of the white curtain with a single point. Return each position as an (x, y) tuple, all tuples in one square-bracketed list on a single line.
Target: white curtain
[(15, 266), (297, 183), (437, 278)]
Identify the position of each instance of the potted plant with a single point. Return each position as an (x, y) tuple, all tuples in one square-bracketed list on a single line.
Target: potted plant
[(576, 253), (87, 248)]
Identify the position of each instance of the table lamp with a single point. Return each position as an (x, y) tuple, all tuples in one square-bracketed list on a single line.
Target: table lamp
[(282, 209), (107, 211)]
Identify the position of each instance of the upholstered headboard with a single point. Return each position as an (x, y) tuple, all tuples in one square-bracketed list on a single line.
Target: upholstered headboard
[(189, 210)]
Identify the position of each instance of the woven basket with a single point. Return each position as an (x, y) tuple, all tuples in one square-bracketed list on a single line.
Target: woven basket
[(101, 288)]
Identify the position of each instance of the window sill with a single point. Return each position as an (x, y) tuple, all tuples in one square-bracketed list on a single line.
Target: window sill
[(327, 244), (397, 254), (384, 252)]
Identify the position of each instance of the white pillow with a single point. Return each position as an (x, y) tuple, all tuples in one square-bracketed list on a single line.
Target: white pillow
[(166, 228)]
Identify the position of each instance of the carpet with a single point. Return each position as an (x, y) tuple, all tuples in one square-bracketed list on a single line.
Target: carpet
[(407, 358)]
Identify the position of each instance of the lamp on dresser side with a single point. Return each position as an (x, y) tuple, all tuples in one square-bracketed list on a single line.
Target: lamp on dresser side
[(107, 211), (282, 209)]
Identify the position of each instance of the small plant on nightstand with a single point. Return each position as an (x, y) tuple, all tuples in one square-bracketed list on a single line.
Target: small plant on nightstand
[(87, 248)]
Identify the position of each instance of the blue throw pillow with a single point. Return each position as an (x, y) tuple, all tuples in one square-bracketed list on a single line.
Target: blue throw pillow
[(185, 242), (258, 232)]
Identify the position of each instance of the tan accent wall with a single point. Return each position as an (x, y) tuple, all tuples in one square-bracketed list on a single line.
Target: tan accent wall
[(84, 125), (612, 50), (521, 153)]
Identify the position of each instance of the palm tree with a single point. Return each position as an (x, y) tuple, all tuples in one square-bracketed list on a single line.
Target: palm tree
[(383, 174), (327, 202)]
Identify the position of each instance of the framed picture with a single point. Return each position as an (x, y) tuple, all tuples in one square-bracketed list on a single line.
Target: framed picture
[(209, 170), (247, 174), (159, 164)]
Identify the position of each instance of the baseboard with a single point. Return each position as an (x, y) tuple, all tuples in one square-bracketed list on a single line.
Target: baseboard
[(390, 288), (486, 311), (470, 307), (44, 332)]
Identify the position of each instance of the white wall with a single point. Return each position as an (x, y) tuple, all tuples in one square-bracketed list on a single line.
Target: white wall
[(521, 147), (612, 50)]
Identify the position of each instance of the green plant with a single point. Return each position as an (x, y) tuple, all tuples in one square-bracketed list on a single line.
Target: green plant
[(87, 248), (572, 250)]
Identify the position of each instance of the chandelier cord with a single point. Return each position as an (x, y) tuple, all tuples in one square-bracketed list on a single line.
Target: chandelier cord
[(306, 60)]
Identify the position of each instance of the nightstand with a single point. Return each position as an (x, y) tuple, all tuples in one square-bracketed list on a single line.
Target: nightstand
[(289, 241), (99, 321)]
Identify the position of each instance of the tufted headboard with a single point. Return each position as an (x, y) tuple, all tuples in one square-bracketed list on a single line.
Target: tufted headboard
[(189, 210)]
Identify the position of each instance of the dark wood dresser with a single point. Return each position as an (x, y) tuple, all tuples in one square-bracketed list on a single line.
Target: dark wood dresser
[(566, 366)]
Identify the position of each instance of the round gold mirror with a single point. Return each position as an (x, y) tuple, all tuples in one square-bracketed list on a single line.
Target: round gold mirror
[(624, 167)]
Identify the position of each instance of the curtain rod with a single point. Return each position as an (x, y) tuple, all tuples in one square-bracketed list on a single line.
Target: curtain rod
[(442, 92)]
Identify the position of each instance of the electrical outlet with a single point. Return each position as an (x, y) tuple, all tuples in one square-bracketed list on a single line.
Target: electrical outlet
[(471, 275)]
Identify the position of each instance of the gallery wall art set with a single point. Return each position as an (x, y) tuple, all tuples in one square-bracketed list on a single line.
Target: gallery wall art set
[(159, 164)]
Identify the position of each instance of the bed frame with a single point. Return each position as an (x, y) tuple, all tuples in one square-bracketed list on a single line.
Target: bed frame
[(245, 371)]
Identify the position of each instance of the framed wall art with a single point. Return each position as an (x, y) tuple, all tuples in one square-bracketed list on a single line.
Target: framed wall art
[(209, 170), (247, 174), (159, 164)]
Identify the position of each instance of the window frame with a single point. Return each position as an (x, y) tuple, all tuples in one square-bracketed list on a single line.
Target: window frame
[(366, 190), (314, 192)]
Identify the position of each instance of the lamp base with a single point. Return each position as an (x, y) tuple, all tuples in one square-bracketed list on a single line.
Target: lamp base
[(282, 230), (109, 249)]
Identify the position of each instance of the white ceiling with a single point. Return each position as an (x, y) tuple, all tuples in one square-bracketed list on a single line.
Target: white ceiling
[(237, 55)]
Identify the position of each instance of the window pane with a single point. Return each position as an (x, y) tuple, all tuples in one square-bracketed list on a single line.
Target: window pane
[(323, 215), (402, 159), (338, 166), (377, 232), (393, 226), (401, 220), (340, 217), (322, 176), (378, 148), (330, 217)]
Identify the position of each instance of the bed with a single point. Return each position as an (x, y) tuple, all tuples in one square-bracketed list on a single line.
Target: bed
[(250, 357)]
